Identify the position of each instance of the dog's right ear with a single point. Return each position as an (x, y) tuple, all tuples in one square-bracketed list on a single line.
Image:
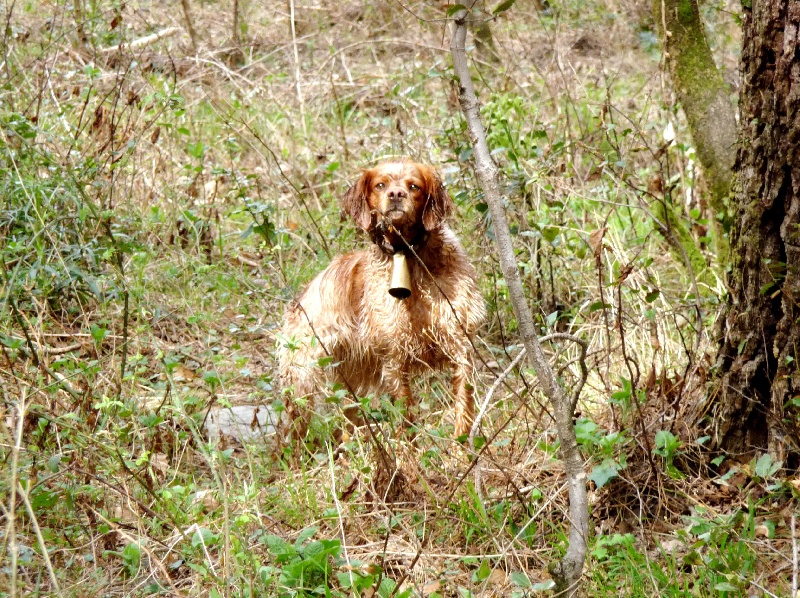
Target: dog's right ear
[(356, 201)]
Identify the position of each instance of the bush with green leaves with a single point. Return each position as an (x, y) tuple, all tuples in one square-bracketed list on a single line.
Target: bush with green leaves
[(57, 250)]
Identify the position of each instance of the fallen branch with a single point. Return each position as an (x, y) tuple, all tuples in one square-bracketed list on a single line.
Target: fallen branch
[(567, 572), (143, 41)]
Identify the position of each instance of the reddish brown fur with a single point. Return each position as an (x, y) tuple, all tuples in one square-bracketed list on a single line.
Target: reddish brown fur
[(380, 342)]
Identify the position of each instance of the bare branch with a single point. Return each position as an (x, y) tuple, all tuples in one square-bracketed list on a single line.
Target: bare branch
[(143, 41), (187, 14), (567, 572)]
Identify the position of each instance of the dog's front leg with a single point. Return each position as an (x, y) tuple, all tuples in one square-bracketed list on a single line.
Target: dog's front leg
[(465, 404), (399, 388)]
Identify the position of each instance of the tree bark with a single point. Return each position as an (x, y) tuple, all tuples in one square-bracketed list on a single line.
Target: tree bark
[(235, 27), (78, 13), (187, 14), (704, 99), (759, 351), (567, 572)]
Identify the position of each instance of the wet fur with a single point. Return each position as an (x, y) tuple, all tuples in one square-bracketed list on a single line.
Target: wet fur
[(381, 343)]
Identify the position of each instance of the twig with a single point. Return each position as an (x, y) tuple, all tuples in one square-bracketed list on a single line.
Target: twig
[(52, 350), (581, 361), (482, 411), (40, 538), (339, 512), (296, 55), (143, 41), (794, 555), (11, 532), (235, 27), (187, 14), (567, 572), (30, 349)]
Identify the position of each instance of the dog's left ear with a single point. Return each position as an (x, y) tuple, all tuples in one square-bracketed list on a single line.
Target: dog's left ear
[(438, 205), (355, 201)]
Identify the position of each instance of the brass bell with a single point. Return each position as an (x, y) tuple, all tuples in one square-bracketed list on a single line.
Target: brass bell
[(400, 288)]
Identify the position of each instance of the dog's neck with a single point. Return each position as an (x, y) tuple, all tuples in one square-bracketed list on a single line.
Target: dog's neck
[(390, 241), (425, 246)]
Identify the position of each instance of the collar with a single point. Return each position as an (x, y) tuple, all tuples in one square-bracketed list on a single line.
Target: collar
[(379, 235)]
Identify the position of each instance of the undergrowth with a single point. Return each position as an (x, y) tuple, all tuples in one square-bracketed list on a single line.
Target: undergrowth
[(160, 208)]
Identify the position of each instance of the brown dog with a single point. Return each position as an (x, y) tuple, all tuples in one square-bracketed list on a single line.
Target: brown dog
[(377, 342)]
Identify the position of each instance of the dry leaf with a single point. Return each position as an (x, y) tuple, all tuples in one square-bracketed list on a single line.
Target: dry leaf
[(596, 240), (182, 374), (498, 578), (431, 587)]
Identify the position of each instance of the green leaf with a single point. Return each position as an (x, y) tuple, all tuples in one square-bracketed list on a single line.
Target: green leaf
[(667, 444), (305, 535), (454, 9), (767, 288), (724, 586), (621, 395), (211, 378), (585, 431), (53, 463), (484, 571), (131, 555), (404, 594), (765, 466), (550, 233), (503, 6), (196, 150), (652, 295), (277, 546), (519, 579), (203, 536), (603, 473), (98, 333), (44, 500), (597, 305)]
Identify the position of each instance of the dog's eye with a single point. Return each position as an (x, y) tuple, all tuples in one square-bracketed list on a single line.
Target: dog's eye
[(413, 187), (380, 186)]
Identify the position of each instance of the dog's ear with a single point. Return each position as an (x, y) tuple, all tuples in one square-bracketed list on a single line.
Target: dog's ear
[(356, 201), (438, 205)]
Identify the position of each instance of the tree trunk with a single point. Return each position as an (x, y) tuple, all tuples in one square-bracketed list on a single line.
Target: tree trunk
[(704, 99), (759, 351)]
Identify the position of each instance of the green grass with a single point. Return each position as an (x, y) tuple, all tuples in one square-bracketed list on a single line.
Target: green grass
[(210, 227)]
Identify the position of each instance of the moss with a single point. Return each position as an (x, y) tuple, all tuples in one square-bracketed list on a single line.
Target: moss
[(704, 98)]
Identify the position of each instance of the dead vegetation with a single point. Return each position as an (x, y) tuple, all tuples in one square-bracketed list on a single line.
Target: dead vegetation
[(162, 203)]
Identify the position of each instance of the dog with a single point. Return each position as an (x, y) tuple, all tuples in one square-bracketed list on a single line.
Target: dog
[(373, 341)]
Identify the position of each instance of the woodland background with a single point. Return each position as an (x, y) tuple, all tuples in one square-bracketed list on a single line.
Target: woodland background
[(164, 197)]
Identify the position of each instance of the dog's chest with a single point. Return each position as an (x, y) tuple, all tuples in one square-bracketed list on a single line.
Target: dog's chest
[(420, 327)]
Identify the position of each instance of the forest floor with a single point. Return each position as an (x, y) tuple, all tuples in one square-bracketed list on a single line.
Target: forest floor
[(161, 204)]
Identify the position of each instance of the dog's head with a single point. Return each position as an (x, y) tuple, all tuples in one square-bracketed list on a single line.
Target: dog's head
[(400, 197)]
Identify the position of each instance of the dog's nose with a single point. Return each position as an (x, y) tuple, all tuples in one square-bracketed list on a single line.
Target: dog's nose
[(397, 194)]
